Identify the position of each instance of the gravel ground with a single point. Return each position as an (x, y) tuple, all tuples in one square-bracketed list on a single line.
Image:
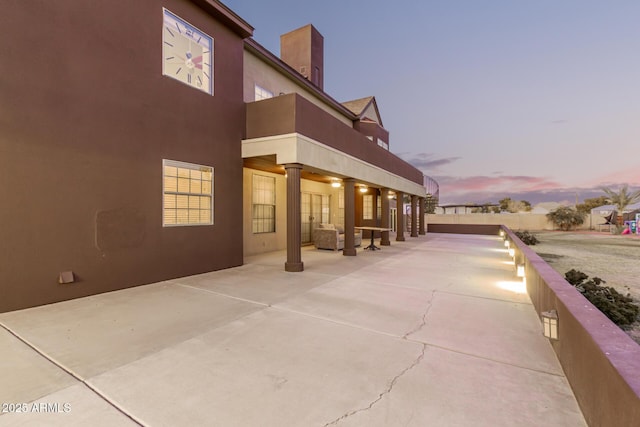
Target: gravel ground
[(613, 258)]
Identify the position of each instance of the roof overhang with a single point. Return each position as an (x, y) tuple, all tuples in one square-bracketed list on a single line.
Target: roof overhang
[(297, 148)]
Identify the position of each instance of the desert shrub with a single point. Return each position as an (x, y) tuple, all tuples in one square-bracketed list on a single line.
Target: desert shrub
[(527, 238), (566, 218), (617, 307)]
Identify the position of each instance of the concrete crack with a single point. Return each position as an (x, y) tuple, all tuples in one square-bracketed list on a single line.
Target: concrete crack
[(424, 316), (385, 392)]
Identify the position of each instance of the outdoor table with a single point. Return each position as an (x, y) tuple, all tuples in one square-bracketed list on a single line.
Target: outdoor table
[(372, 246)]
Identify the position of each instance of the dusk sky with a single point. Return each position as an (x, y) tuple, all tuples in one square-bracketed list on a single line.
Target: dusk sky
[(535, 100)]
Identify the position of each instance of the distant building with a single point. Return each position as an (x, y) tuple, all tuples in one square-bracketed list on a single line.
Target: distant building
[(545, 207), (465, 208)]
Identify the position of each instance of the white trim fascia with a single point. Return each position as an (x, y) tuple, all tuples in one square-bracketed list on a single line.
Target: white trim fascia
[(297, 148)]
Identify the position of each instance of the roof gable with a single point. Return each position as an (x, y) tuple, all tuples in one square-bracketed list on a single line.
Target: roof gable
[(365, 108)]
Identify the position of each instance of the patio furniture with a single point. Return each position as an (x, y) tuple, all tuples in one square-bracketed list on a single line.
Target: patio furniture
[(331, 236), (372, 246)]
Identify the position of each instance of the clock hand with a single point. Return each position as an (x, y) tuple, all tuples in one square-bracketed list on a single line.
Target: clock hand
[(197, 61)]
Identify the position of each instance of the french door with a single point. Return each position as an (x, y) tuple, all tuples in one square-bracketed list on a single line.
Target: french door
[(314, 210)]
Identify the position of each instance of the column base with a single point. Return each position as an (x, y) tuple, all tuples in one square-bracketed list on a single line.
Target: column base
[(422, 233), (385, 243), (294, 267), (414, 234), (400, 239), (349, 252)]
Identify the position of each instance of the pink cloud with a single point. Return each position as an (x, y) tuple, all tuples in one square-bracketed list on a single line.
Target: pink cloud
[(630, 176), (453, 185)]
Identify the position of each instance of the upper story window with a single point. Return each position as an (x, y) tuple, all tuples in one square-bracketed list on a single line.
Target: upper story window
[(262, 93), (188, 194), (383, 144)]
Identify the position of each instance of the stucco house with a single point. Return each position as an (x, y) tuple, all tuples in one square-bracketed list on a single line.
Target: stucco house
[(163, 142)]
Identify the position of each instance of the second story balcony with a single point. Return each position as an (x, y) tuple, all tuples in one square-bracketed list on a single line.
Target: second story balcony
[(292, 114)]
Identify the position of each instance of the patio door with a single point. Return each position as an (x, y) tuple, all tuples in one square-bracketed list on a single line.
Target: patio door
[(313, 211), (393, 220)]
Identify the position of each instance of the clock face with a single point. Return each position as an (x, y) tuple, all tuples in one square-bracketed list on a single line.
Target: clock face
[(187, 53)]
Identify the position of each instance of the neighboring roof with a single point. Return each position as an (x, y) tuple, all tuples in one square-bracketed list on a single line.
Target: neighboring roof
[(468, 205), (359, 106), (608, 208)]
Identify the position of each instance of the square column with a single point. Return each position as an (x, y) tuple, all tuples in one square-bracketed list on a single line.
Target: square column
[(349, 216), (384, 221), (400, 216), (294, 223), (414, 216)]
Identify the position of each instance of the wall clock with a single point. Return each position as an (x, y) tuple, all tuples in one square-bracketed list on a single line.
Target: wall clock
[(187, 53)]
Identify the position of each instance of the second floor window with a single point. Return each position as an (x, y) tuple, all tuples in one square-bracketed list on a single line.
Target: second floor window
[(262, 93)]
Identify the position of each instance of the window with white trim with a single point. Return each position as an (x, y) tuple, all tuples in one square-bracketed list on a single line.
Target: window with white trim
[(367, 206), (263, 204), (187, 193), (262, 93)]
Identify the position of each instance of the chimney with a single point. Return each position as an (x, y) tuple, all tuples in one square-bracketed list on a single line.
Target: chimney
[(303, 50)]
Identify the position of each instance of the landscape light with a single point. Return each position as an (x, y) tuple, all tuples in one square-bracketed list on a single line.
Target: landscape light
[(550, 324)]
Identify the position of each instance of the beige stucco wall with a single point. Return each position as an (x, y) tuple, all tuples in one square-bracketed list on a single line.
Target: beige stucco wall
[(264, 242), (267, 242), (516, 222), (258, 72)]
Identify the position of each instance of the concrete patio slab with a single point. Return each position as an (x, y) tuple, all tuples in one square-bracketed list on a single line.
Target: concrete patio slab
[(92, 335), (431, 331), (359, 302), (24, 374), (271, 368), (503, 331), (262, 284), (457, 390)]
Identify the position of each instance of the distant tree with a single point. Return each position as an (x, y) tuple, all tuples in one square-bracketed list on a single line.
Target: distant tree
[(566, 217), (486, 208), (495, 209), (504, 203), (621, 199), (514, 206), (591, 203)]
